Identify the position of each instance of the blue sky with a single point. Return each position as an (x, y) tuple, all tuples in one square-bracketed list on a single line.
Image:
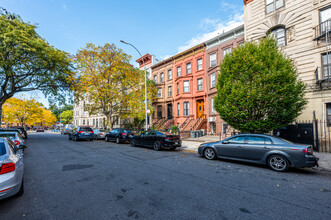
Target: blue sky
[(162, 28)]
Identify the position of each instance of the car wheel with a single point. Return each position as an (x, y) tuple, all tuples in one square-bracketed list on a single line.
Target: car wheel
[(278, 163), (209, 153), (75, 138), (133, 143), (91, 139), (21, 191), (118, 140), (106, 139), (157, 145), (96, 137)]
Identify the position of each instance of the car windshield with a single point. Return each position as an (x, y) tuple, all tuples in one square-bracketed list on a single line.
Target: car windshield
[(86, 129), (159, 133), (2, 148), (9, 135)]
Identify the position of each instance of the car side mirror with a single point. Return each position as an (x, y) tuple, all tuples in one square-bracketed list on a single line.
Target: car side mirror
[(22, 146), (225, 142)]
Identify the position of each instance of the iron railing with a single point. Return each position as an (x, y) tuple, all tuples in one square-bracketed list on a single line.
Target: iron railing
[(322, 29), (197, 123)]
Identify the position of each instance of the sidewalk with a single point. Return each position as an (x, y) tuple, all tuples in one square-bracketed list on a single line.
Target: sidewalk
[(192, 144)]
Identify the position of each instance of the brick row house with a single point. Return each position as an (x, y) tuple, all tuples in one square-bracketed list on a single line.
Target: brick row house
[(186, 98)]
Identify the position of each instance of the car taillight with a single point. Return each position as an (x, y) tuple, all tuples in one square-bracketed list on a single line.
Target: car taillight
[(307, 150), (92, 132), (7, 168), (17, 142), (124, 134), (101, 133), (79, 132), (135, 133)]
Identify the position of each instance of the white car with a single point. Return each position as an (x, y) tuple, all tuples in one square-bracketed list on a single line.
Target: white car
[(14, 136), (11, 168)]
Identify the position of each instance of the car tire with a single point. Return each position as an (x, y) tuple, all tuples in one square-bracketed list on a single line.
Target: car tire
[(209, 153), (118, 140), (106, 139), (21, 191), (91, 139), (157, 145), (278, 163), (75, 138), (133, 143)]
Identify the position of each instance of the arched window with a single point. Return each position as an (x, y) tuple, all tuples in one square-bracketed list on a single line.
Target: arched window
[(279, 33)]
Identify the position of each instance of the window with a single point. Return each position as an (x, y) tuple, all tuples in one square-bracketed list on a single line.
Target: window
[(186, 108), (178, 105), (212, 59), (279, 35), (155, 78), (83, 121), (169, 91), (162, 78), (326, 62), (199, 64), (159, 92), (224, 128), (255, 140), (328, 107), (237, 140), (178, 71), (169, 74), (325, 14), (212, 106), (177, 88), (272, 4), (93, 122), (186, 87), (199, 87), (212, 80), (227, 51), (188, 68), (159, 111)]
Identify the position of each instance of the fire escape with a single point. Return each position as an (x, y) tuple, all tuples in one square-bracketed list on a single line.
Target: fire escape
[(322, 34)]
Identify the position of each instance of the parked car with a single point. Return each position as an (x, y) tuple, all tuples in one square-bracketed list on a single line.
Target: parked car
[(81, 133), (99, 133), (67, 129), (40, 130), (11, 130), (157, 140), (11, 169), (277, 153), (23, 131), (13, 136), (119, 135)]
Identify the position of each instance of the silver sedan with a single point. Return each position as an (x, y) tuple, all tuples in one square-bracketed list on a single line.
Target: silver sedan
[(11, 169), (14, 136), (99, 133), (277, 153)]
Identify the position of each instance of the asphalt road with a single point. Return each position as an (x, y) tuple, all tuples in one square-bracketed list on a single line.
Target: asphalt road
[(103, 180)]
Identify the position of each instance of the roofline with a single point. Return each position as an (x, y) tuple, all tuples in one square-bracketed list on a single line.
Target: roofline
[(189, 50), (162, 62), (241, 27)]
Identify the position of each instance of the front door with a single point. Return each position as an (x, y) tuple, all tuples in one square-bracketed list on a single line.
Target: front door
[(200, 108), (169, 110)]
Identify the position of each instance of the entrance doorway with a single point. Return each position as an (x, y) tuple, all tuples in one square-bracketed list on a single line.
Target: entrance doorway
[(169, 111), (200, 108)]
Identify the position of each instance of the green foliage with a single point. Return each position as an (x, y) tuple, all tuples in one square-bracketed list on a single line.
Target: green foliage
[(67, 116), (58, 110), (174, 129), (137, 124), (28, 62), (258, 88)]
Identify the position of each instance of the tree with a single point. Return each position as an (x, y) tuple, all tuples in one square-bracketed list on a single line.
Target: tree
[(109, 84), (28, 62), (47, 118), (67, 116), (57, 111), (258, 88), (21, 111)]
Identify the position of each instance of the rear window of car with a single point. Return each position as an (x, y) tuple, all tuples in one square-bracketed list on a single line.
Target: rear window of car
[(86, 129), (7, 135), (2, 148), (159, 133)]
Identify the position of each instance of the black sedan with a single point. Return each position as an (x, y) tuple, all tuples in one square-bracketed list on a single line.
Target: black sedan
[(277, 153), (157, 140)]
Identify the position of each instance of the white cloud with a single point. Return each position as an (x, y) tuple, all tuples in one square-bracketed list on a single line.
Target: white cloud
[(217, 27)]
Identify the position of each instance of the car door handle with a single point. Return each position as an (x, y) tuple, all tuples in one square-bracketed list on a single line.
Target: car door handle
[(266, 147)]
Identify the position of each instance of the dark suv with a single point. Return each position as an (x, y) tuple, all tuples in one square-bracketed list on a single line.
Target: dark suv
[(119, 135), (80, 133)]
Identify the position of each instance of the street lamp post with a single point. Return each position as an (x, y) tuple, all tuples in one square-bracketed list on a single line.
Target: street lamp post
[(124, 42)]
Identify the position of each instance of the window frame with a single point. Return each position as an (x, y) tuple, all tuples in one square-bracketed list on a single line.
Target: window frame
[(200, 59), (188, 87), (325, 74), (210, 60), (162, 77), (177, 88), (186, 108), (274, 5), (328, 116), (179, 73), (169, 74), (213, 75), (159, 94), (273, 31), (169, 91), (178, 109), (200, 84), (188, 70)]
